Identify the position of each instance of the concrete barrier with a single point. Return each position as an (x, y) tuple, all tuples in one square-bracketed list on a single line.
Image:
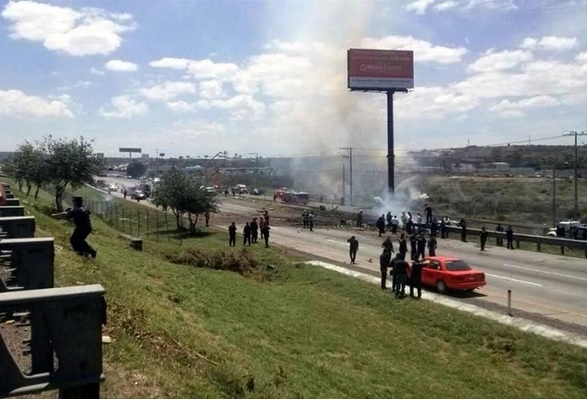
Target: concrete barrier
[(69, 325), (28, 263), (12, 211), (17, 227)]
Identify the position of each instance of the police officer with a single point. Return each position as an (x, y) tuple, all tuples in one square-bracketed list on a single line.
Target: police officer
[(464, 232), (415, 278), (402, 248), (499, 230), (483, 238), (254, 227), (400, 273), (247, 234), (265, 232), (232, 234), (509, 238), (81, 218), (384, 263), (421, 245), (432, 245)]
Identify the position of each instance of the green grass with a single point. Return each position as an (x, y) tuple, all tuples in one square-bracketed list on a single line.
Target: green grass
[(293, 330)]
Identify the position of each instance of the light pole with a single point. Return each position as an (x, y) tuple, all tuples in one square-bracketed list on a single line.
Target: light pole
[(576, 134)]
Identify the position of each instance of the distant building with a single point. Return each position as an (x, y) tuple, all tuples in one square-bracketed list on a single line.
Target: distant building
[(500, 166)]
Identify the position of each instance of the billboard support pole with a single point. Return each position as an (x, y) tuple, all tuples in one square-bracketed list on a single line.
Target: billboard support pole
[(390, 155)]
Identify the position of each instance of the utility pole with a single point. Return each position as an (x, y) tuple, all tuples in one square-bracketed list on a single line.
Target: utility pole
[(256, 167), (553, 201), (350, 157), (576, 134), (343, 188)]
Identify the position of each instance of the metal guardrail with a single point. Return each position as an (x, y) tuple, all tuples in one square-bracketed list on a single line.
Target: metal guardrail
[(519, 237)]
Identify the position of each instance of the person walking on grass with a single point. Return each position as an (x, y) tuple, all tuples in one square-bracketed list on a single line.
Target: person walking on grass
[(265, 233), (247, 234), (353, 247), (415, 278), (232, 234), (254, 228)]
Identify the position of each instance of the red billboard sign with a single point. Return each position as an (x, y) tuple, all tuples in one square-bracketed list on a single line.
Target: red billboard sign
[(380, 69)]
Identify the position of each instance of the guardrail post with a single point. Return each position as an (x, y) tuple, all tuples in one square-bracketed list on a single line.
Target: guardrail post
[(509, 302)]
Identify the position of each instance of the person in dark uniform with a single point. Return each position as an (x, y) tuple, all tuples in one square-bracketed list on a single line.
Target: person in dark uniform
[(388, 247), (381, 224), (389, 220), (428, 214), (413, 246), (384, 263), (421, 246), (464, 232), (483, 237), (305, 219), (353, 247), (432, 245), (443, 227), (434, 227), (499, 230), (265, 229), (402, 247), (509, 238), (247, 234), (254, 228), (415, 278), (266, 216), (310, 221), (400, 273), (232, 234), (81, 218), (207, 219)]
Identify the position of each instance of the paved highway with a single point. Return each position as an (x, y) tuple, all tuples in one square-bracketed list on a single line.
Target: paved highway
[(549, 286)]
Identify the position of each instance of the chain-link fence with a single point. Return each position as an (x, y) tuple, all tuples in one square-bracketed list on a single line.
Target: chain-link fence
[(144, 222)]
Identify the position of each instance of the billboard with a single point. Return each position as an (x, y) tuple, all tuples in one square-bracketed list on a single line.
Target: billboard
[(380, 69), (129, 150)]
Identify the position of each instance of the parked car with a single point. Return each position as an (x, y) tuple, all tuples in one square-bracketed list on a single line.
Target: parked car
[(257, 192), (568, 229), (451, 273), (241, 189), (138, 195)]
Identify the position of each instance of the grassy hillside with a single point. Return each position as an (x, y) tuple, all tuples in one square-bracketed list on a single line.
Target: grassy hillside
[(202, 320)]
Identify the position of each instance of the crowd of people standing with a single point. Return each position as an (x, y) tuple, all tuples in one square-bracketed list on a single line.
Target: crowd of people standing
[(415, 233), (252, 230)]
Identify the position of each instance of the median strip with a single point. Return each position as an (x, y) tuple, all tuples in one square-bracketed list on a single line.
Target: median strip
[(523, 324)]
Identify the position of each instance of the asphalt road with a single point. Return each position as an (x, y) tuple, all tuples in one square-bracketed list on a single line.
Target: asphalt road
[(549, 286)]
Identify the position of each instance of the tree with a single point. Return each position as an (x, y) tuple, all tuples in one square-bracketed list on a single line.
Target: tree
[(136, 169), (183, 195), (32, 166), (70, 163)]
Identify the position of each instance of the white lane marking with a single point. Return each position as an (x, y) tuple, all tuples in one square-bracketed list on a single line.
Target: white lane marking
[(515, 280), (544, 272), (336, 241)]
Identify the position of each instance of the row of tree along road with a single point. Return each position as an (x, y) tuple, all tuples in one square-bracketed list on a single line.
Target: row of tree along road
[(61, 163)]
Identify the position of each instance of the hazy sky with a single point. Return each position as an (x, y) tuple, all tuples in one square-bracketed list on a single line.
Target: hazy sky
[(200, 77)]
